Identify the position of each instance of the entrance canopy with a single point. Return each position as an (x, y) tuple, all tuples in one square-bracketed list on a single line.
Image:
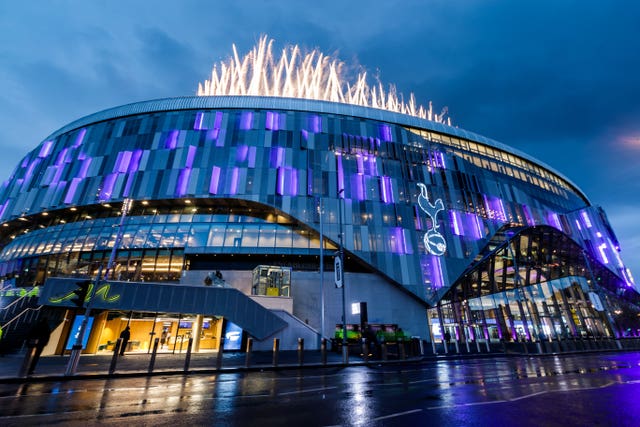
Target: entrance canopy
[(229, 303)]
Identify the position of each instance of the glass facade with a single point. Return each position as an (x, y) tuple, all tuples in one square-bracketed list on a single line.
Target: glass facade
[(247, 176)]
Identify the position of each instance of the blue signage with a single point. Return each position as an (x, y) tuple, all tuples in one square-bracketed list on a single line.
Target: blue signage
[(232, 337), (75, 331)]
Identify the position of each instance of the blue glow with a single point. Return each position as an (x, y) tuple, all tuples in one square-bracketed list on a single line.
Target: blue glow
[(246, 120), (197, 125), (80, 138), (586, 219), (71, 192), (107, 187), (172, 140), (455, 223), (183, 182), (234, 182), (385, 133)]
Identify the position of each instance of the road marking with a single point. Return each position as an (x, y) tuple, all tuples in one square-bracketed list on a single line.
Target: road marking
[(311, 390), (397, 414)]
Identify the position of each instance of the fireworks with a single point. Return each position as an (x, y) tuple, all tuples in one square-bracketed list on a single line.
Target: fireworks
[(311, 75)]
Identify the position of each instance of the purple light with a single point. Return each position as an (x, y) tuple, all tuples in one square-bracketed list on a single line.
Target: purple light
[(442, 164), (528, 216), (215, 180), (277, 155), (197, 125), (360, 164), (191, 155), (183, 182), (84, 167), (29, 173), (4, 207), (578, 225), (56, 175), (172, 140), (71, 192), (79, 138), (315, 124), (478, 228), (61, 156), (455, 223), (122, 162), (495, 208), (586, 219), (397, 240), (408, 249), (246, 120), (437, 280), (385, 133), (293, 182), (46, 149), (602, 248), (373, 166), (107, 186), (241, 153), (554, 221), (234, 182), (340, 176), (385, 189), (134, 165), (272, 121), (305, 134)]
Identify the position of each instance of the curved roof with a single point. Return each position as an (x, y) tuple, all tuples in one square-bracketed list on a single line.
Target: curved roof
[(297, 104)]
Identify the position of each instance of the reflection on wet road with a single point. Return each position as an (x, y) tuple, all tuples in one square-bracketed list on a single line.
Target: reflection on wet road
[(563, 391)]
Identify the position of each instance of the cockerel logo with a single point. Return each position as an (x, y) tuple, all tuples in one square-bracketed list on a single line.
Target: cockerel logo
[(433, 241)]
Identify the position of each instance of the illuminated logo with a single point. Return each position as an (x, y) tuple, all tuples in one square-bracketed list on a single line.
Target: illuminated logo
[(433, 241), (102, 292)]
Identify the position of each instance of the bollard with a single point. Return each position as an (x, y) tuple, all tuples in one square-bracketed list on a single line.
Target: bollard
[(383, 347), (323, 350), (152, 361), (403, 352), (187, 358), (365, 351), (300, 351), (276, 349), (114, 358), (219, 355), (26, 362), (247, 359)]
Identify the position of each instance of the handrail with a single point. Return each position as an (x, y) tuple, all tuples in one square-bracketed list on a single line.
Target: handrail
[(22, 297), (4, 327)]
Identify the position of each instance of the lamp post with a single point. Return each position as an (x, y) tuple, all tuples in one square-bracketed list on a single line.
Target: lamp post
[(340, 282), (74, 358)]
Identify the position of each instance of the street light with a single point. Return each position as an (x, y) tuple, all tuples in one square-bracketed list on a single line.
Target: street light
[(340, 283)]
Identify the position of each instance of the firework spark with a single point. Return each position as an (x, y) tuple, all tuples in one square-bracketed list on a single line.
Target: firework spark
[(311, 75)]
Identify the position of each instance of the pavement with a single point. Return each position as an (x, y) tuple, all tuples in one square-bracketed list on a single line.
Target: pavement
[(53, 368)]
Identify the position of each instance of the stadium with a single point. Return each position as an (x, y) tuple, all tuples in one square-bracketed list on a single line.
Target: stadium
[(222, 215)]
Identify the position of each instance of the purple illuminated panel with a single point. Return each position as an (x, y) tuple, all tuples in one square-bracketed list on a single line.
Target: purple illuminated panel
[(435, 272), (46, 149), (107, 187), (603, 254), (494, 207), (191, 155), (305, 134), (340, 176), (456, 223), (61, 156), (386, 192), (79, 138), (29, 173), (527, 215), (385, 133), (396, 241), (273, 121), (198, 123), (234, 182), (360, 164), (277, 157), (408, 248), (293, 182), (172, 140), (554, 221), (215, 180), (84, 167), (71, 192), (122, 162), (246, 120), (586, 220), (241, 153), (183, 182), (134, 165), (315, 124)]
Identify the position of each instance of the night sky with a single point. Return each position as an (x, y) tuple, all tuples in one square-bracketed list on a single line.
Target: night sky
[(559, 80)]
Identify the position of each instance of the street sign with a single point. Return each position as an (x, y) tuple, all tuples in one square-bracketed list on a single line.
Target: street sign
[(337, 268)]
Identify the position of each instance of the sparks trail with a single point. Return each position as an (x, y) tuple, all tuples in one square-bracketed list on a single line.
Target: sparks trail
[(311, 75)]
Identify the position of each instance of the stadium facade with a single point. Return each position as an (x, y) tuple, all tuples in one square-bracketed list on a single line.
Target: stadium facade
[(204, 203)]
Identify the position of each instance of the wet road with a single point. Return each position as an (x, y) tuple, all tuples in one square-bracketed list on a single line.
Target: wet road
[(594, 390)]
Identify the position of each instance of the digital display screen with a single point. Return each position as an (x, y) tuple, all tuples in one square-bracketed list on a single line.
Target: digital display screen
[(75, 331), (232, 337)]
